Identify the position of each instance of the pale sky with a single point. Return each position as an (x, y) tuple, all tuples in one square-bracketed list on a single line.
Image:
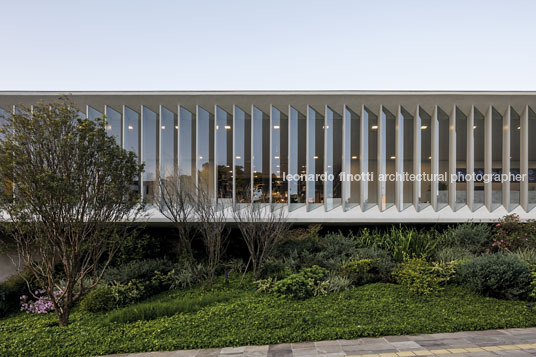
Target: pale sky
[(267, 45)]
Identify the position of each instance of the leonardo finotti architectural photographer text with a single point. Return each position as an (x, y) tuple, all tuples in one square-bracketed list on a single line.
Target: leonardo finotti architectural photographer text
[(406, 176)]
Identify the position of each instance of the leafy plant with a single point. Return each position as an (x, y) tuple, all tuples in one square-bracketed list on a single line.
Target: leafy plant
[(358, 271), (419, 276), (187, 274), (497, 275), (100, 299), (137, 269), (472, 237), (308, 282), (510, 234), (450, 254), (404, 243)]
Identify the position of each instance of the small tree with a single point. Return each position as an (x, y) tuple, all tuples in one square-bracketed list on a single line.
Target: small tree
[(69, 186), (212, 228), (262, 228), (176, 204)]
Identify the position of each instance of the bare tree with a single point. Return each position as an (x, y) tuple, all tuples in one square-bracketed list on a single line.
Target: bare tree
[(262, 228), (71, 187), (176, 203), (212, 227)]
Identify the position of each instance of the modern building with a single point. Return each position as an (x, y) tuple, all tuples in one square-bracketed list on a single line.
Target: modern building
[(351, 156)]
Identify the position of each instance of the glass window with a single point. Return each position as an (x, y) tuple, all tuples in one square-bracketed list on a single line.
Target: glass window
[(149, 145), (224, 153), (279, 154), (515, 157), (443, 168), (532, 158), (370, 158), (131, 130), (425, 193), (260, 160), (93, 113), (242, 152), (205, 151), (113, 123), (168, 142), (297, 158), (132, 119), (315, 158), (496, 157), (479, 155), (389, 122), (350, 165), (408, 128), (332, 160), (461, 158), (186, 158)]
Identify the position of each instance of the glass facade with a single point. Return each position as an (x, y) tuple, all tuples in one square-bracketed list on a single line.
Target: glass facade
[(311, 155), (113, 123), (149, 150)]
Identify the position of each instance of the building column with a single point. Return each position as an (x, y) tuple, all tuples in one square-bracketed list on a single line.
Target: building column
[(452, 158), (524, 157), (435, 158), (488, 146), (399, 161), (506, 159), (363, 159), (470, 157)]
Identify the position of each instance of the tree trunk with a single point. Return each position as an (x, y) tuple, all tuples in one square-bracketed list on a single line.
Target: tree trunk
[(63, 318)]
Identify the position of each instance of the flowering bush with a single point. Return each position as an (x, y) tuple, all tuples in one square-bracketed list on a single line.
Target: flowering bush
[(510, 234), (42, 305)]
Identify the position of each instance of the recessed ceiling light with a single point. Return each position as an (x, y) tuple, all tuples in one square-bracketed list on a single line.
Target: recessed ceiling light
[(374, 127)]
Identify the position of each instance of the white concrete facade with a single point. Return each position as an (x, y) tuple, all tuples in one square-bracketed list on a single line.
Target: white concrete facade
[(243, 144)]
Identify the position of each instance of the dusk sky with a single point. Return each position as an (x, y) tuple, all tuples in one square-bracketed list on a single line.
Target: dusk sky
[(268, 45)]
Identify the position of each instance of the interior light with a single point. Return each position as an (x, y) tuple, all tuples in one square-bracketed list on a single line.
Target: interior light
[(238, 157), (227, 127), (276, 157), (374, 127), (316, 157), (393, 157), (130, 127), (423, 127), (276, 126), (163, 127), (474, 127), (354, 157), (518, 127)]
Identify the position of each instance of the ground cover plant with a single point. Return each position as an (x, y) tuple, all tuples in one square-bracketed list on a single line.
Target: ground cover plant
[(312, 285)]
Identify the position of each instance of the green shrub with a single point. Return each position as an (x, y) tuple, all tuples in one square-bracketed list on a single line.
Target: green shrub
[(359, 271), (308, 282), (273, 267), (527, 255), (510, 234), (187, 274), (315, 273), (99, 299), (337, 283), (155, 309), (498, 275), (295, 286), (471, 237), (383, 263), (137, 269), (451, 254), (419, 276), (126, 294)]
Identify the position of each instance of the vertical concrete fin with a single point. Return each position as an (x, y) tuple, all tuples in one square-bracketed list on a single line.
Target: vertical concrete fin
[(506, 158), (382, 199), (399, 163), (452, 158), (435, 158), (363, 158), (471, 157), (488, 145), (524, 157), (417, 157)]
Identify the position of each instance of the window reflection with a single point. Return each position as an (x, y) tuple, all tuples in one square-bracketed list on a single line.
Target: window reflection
[(279, 130), (242, 152), (150, 130), (224, 153), (187, 162), (297, 158), (332, 162), (113, 123), (168, 142), (205, 151), (93, 113), (260, 161), (131, 130)]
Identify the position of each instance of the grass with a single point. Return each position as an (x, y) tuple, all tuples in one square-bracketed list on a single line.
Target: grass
[(245, 317), (151, 310)]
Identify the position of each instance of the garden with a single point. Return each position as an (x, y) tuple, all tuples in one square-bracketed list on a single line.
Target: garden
[(312, 284)]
